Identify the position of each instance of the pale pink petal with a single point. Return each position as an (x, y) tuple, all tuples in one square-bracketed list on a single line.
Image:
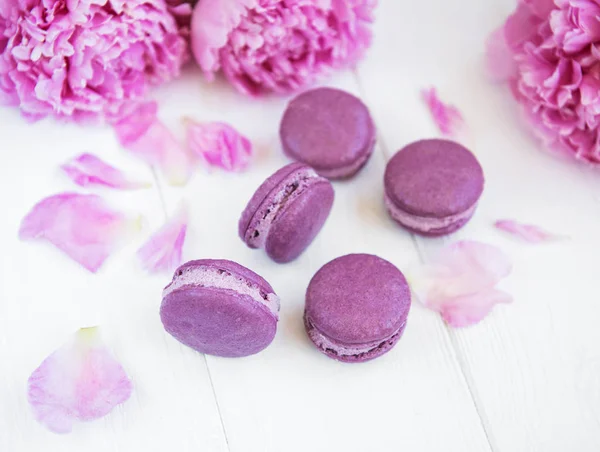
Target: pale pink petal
[(143, 134), (471, 309), (459, 282), (447, 117), (87, 170), (81, 381), (219, 145), (499, 59), (82, 226), (163, 251), (527, 232)]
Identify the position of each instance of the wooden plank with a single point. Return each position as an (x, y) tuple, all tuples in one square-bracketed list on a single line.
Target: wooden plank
[(290, 397), (45, 297), (533, 366)]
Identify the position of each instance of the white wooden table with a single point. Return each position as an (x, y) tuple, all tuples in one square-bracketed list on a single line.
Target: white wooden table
[(526, 379)]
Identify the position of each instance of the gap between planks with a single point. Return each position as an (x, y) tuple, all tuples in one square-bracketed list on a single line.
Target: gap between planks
[(451, 337)]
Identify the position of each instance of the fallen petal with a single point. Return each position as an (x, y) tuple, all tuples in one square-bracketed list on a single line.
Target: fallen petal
[(219, 145), (448, 118), (81, 381), (527, 232), (460, 281), (143, 134), (471, 309), (87, 170), (163, 251), (82, 226)]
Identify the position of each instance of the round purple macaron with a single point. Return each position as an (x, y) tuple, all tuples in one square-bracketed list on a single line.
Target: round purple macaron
[(330, 130), (432, 186), (356, 307), (287, 212), (220, 308)]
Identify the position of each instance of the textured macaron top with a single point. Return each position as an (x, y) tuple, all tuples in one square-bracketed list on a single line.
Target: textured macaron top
[(327, 128), (357, 299), (271, 197), (225, 275), (434, 178)]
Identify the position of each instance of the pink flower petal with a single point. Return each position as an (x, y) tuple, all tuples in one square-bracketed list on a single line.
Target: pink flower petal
[(87, 170), (81, 381), (460, 282), (163, 251), (219, 145), (527, 232), (500, 62), (447, 117), (143, 134), (82, 226)]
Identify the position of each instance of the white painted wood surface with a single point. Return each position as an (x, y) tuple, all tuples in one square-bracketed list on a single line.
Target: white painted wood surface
[(526, 379)]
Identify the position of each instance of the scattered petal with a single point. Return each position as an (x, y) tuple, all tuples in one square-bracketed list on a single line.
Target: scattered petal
[(460, 282), (143, 134), (82, 226), (87, 170), (527, 232), (219, 145), (163, 251), (447, 117), (81, 381)]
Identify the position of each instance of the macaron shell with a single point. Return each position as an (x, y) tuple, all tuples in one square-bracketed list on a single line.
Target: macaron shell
[(328, 129), (376, 352), (299, 222), (217, 322), (262, 193), (229, 266), (434, 178), (358, 299)]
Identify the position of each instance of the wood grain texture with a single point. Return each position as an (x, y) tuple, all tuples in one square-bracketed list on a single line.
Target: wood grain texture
[(532, 367)]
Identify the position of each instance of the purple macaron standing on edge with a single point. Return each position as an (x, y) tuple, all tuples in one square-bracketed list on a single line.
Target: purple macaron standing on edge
[(220, 308), (330, 130), (356, 307), (287, 212), (432, 187)]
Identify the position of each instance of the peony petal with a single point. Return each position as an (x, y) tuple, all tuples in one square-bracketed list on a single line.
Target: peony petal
[(527, 232), (81, 381), (143, 134), (499, 59), (87, 170), (471, 309), (447, 117), (163, 251), (459, 283), (219, 145), (82, 226)]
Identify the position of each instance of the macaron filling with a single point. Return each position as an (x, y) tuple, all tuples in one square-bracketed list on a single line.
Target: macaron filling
[(223, 279), (331, 346), (289, 189), (426, 224)]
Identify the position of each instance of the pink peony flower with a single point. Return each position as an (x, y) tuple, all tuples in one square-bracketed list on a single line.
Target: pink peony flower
[(84, 59), (549, 52), (279, 45)]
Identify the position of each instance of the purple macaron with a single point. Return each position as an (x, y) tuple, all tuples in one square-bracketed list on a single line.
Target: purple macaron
[(330, 130), (432, 187), (356, 307), (287, 212), (220, 308)]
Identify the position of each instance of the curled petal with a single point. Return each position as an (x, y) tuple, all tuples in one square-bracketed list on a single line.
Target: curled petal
[(460, 282), (527, 232), (143, 134), (87, 170), (219, 145), (163, 251), (82, 226), (81, 381), (447, 117)]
